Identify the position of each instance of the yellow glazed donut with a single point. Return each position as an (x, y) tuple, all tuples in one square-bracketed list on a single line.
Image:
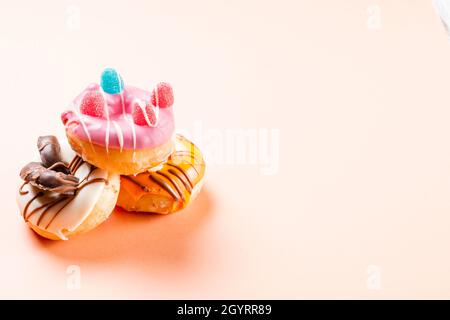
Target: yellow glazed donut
[(62, 195), (168, 188), (120, 128)]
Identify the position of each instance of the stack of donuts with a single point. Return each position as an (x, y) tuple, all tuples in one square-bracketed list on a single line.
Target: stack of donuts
[(121, 149)]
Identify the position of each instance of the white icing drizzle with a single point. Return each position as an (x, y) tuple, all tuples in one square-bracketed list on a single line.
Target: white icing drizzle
[(141, 104), (133, 131), (119, 134), (83, 125), (156, 108), (124, 114), (108, 122), (156, 96), (77, 113)]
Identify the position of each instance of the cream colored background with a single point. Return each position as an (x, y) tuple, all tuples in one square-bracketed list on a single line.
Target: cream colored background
[(364, 172)]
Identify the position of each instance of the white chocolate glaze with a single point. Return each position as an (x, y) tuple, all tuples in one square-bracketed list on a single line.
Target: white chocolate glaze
[(59, 214)]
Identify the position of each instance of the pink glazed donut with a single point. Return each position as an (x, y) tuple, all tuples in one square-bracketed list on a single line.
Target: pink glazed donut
[(121, 129)]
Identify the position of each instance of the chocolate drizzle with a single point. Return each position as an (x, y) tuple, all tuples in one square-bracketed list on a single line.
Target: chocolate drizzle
[(75, 164), (57, 213), (167, 182), (21, 192), (37, 195), (45, 206), (180, 174), (163, 184), (185, 153), (58, 166), (48, 206), (171, 182), (57, 200)]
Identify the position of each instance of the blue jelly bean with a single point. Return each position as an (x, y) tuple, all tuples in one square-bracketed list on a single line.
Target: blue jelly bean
[(111, 81)]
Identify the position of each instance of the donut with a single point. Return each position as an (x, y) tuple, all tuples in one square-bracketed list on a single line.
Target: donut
[(120, 128), (62, 195), (168, 188)]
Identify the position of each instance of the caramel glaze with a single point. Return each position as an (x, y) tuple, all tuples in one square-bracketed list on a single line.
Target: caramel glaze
[(177, 177), (73, 167), (134, 181)]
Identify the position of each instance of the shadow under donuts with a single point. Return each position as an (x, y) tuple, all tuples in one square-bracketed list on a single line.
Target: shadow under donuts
[(137, 238)]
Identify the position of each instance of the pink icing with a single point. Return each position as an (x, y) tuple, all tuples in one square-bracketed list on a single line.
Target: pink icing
[(121, 132)]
